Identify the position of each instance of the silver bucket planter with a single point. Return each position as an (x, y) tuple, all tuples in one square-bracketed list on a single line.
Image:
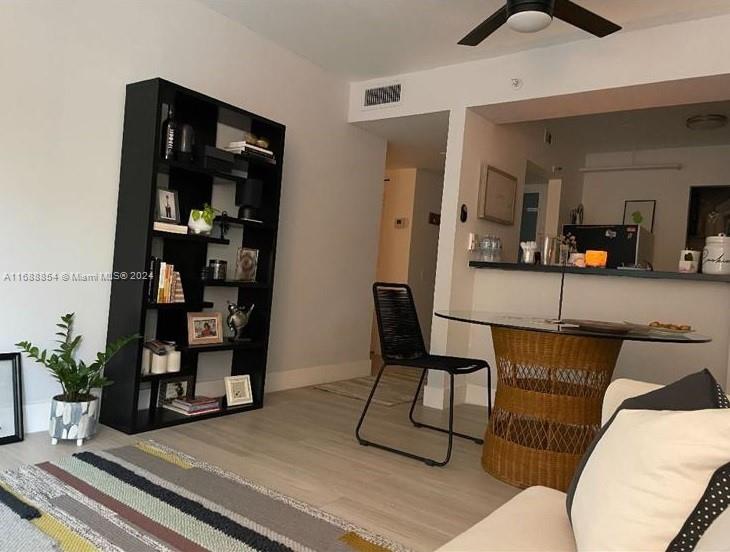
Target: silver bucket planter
[(73, 420)]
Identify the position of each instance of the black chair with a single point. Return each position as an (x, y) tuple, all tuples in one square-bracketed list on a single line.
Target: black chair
[(401, 344)]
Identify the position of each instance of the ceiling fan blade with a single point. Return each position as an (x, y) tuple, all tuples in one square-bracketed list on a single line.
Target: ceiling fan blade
[(485, 28), (584, 19)]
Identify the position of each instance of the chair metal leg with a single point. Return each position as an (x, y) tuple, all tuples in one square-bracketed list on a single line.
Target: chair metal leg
[(367, 405), (416, 423), (425, 460)]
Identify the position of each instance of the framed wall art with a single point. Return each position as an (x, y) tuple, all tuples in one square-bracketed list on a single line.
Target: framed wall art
[(497, 195), (641, 212), (11, 399)]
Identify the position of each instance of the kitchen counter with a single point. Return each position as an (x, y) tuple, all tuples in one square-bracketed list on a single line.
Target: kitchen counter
[(602, 271)]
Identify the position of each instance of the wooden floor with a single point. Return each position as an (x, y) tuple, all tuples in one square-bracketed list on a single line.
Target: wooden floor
[(301, 444)]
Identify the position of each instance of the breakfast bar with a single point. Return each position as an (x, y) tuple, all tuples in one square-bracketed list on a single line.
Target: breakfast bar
[(551, 381)]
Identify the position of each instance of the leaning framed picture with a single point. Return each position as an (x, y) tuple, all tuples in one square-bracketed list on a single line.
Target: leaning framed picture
[(641, 212), (181, 387), (11, 399), (238, 390), (167, 208), (205, 328), (497, 195)]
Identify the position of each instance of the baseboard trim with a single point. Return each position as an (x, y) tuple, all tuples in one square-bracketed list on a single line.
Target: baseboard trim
[(314, 375), (477, 394)]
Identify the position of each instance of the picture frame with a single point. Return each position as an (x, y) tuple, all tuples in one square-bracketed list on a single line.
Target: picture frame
[(247, 261), (167, 206), (497, 195), (238, 390), (640, 212), (175, 388), (11, 399), (205, 328)]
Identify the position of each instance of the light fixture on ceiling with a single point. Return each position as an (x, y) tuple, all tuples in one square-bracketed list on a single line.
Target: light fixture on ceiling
[(710, 121), (529, 21)]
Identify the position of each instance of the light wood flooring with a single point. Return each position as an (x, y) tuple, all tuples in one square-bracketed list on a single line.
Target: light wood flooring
[(302, 444)]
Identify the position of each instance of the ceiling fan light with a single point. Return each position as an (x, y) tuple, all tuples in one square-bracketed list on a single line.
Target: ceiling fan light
[(529, 21)]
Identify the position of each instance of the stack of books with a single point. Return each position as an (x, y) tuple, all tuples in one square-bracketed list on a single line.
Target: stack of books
[(246, 147), (165, 284), (195, 406), (169, 227)]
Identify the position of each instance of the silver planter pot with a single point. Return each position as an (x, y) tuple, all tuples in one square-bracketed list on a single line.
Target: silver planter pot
[(73, 420)]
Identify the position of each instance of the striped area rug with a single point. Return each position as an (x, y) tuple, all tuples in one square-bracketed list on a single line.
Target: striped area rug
[(148, 497)]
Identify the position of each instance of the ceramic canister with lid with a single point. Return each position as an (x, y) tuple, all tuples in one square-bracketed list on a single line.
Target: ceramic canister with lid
[(716, 255)]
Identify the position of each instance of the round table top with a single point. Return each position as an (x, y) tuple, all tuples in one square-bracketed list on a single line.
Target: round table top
[(571, 327)]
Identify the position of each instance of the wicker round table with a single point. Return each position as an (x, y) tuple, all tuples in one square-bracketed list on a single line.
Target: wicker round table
[(551, 379)]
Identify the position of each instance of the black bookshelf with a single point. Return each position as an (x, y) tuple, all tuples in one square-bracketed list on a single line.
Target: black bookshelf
[(129, 313)]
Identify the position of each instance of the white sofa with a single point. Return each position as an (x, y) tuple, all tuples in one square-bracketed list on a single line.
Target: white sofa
[(536, 519)]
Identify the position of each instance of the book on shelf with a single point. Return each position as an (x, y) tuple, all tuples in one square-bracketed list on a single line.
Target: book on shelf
[(240, 147), (169, 227), (165, 284), (159, 347), (196, 404), (186, 413)]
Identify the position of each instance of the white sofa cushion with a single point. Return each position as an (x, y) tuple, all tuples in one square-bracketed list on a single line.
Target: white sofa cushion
[(645, 477), (534, 520)]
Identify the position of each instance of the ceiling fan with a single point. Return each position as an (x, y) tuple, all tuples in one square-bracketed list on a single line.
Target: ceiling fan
[(529, 16)]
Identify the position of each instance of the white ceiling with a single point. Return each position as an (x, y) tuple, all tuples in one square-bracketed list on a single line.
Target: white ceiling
[(362, 39), (663, 127), (418, 141)]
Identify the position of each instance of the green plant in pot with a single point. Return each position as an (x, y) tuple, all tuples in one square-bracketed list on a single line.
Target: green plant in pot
[(201, 220), (74, 413)]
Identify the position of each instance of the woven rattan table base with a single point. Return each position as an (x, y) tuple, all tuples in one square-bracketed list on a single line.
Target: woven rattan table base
[(548, 404)]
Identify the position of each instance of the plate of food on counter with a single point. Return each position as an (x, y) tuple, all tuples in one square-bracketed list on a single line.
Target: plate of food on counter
[(658, 327)]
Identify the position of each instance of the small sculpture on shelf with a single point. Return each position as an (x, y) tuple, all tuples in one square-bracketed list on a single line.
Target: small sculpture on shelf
[(238, 318)]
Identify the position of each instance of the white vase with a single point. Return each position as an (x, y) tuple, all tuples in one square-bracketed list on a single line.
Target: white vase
[(199, 226), (74, 421)]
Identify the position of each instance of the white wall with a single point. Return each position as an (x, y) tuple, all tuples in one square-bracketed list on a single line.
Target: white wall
[(604, 193), (395, 242), (655, 55), (503, 146), (64, 68), (424, 245)]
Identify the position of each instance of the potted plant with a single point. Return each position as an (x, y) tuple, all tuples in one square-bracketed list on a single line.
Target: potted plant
[(74, 412), (201, 220)]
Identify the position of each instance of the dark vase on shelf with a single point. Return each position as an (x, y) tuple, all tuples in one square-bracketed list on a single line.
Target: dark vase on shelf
[(169, 135)]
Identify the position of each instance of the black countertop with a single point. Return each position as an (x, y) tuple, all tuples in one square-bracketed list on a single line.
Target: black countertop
[(602, 271)]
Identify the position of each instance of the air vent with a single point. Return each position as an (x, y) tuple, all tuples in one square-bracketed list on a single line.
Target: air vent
[(382, 95)]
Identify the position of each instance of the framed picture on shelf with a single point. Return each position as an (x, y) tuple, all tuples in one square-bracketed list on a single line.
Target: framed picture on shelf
[(168, 207), (181, 387), (11, 404), (247, 261), (205, 328), (640, 212), (238, 390)]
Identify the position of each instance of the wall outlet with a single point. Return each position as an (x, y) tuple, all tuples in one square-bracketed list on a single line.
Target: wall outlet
[(548, 137)]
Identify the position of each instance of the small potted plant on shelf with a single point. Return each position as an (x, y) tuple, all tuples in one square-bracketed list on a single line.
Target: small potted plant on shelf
[(74, 413), (201, 220)]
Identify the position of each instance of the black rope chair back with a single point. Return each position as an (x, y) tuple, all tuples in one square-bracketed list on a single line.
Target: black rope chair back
[(400, 333)]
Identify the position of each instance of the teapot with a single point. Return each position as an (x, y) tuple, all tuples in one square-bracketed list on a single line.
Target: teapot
[(237, 319)]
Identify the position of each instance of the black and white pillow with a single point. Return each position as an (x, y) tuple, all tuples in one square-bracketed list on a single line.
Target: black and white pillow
[(653, 461)]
